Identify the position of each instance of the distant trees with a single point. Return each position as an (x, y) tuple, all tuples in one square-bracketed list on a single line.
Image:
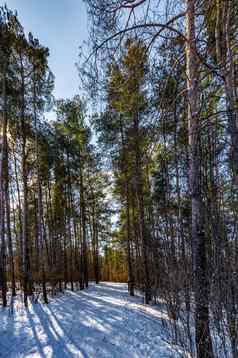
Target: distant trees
[(53, 203), (126, 103)]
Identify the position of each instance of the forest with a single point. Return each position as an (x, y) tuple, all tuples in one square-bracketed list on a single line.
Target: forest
[(135, 179)]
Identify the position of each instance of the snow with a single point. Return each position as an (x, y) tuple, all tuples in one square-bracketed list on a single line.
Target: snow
[(101, 321)]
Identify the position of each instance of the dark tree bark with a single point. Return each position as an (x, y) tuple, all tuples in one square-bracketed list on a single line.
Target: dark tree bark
[(201, 282), (141, 208)]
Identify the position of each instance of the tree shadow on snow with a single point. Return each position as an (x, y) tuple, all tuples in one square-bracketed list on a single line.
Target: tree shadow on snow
[(101, 321)]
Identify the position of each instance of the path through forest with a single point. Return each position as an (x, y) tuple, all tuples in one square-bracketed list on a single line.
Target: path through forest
[(102, 321)]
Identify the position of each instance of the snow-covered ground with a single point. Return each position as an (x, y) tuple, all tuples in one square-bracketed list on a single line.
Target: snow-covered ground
[(101, 321)]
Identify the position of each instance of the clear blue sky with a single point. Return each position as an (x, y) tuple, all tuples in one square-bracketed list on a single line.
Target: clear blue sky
[(60, 25)]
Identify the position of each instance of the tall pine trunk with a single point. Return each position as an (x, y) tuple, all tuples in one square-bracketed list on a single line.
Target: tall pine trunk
[(25, 236), (9, 233), (131, 279), (3, 277), (39, 233), (84, 254), (141, 209), (201, 282)]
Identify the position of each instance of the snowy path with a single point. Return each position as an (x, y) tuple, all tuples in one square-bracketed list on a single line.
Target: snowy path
[(102, 321)]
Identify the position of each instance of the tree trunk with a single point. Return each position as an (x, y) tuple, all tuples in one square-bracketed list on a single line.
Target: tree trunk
[(95, 242), (9, 234), (131, 279), (141, 208), (201, 282), (84, 253), (26, 254), (3, 278)]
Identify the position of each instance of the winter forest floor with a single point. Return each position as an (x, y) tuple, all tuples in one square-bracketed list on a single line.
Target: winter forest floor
[(102, 321)]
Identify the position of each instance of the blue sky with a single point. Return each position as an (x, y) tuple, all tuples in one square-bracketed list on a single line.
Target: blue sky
[(60, 25)]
